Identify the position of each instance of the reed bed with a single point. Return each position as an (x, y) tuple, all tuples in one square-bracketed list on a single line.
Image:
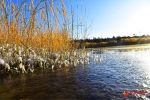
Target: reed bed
[(35, 24), (36, 34)]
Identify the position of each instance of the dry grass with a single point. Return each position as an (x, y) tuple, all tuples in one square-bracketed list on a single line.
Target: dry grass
[(35, 25), (57, 41)]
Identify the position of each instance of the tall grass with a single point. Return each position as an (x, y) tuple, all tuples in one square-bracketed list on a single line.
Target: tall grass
[(36, 24)]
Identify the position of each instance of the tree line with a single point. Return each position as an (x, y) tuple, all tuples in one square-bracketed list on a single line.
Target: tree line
[(114, 41)]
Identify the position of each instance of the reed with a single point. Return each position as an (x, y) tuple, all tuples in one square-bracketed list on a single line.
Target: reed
[(38, 34), (36, 24)]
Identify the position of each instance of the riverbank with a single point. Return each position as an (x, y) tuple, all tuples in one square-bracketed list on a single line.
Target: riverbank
[(118, 41)]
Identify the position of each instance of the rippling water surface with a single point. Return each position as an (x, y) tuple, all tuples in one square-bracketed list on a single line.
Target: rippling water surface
[(121, 68)]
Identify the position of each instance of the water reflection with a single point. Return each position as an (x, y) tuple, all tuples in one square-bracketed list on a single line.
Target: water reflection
[(125, 68)]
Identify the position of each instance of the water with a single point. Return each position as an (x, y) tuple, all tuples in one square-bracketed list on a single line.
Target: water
[(120, 69)]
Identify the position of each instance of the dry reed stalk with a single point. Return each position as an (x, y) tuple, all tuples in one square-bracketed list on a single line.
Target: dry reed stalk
[(23, 28)]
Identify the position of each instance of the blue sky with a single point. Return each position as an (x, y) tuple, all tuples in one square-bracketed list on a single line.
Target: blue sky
[(115, 17), (110, 17)]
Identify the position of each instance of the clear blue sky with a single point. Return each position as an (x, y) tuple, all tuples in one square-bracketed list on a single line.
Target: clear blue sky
[(110, 17), (115, 17)]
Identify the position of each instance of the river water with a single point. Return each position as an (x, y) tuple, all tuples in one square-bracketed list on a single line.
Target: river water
[(121, 68)]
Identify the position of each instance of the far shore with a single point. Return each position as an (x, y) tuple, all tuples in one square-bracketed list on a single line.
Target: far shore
[(114, 41)]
